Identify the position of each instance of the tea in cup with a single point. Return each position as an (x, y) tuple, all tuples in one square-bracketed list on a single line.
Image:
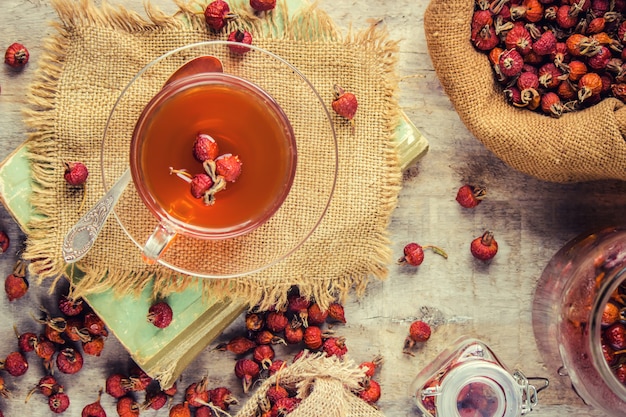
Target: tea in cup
[(244, 122)]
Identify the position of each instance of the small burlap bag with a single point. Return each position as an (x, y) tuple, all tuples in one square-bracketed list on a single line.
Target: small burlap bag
[(581, 146), (99, 49), (327, 386)]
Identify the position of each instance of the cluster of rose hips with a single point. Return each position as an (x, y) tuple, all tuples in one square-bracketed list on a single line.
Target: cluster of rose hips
[(554, 56), (300, 325), (218, 169), (614, 333), (57, 348), (199, 399), (483, 247), (217, 14)]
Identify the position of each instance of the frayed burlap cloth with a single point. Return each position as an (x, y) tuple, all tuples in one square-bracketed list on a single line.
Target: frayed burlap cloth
[(97, 51), (326, 385), (580, 146)]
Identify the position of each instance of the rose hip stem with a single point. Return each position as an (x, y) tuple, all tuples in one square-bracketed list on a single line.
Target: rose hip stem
[(437, 250)]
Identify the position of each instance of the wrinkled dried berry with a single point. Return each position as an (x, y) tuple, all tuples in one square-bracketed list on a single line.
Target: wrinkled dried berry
[(114, 386), (58, 402), (69, 361), (160, 314), (205, 148), (76, 173), (15, 364)]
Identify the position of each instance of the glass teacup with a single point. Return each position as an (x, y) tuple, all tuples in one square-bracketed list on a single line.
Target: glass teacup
[(243, 121)]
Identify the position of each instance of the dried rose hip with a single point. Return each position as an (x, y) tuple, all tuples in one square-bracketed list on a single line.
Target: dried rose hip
[(216, 14), (4, 241), (276, 321), (262, 5), (484, 247), (335, 346), (160, 314), (76, 173), (294, 333), (316, 316), (196, 394), (254, 322), (222, 398), (15, 284), (138, 379), (419, 331), (228, 166), (414, 253), (469, 196), (247, 371), (511, 63), (45, 349), (275, 393), (94, 346), (336, 312), (370, 392), (238, 345), (69, 361), (370, 367), (16, 55), (284, 406), (264, 355), (114, 386), (69, 306), (15, 364), (180, 410), (313, 338), (26, 341), (265, 337), (242, 37), (299, 306), (127, 407), (94, 409), (200, 184), (205, 148), (155, 400), (95, 325), (277, 365), (58, 402), (345, 103), (615, 336), (47, 385)]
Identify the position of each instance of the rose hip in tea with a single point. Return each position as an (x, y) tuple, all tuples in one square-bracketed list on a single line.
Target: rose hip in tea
[(244, 121)]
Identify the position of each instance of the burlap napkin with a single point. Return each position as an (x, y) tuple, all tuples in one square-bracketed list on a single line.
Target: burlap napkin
[(98, 50), (581, 146)]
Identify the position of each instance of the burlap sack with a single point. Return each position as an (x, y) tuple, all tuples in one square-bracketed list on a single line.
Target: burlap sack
[(581, 146), (99, 49), (326, 385)]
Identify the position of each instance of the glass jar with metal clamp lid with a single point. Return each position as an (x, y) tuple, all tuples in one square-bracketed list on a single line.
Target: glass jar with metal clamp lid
[(468, 380)]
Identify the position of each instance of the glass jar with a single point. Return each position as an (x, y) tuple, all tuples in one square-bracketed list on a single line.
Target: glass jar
[(468, 379), (570, 299)]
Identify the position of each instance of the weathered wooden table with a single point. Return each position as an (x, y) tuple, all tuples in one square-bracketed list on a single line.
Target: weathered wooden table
[(531, 220)]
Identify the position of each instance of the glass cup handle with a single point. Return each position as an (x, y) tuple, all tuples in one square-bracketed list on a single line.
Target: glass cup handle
[(157, 243)]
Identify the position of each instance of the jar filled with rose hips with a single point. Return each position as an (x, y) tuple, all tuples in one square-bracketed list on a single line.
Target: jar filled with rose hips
[(468, 379), (579, 317)]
